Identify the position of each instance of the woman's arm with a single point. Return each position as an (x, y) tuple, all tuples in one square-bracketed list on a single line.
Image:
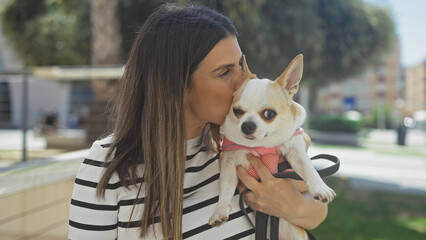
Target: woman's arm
[(92, 217), (279, 197)]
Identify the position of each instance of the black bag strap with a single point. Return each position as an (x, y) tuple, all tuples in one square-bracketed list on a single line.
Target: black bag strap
[(283, 167), (325, 172)]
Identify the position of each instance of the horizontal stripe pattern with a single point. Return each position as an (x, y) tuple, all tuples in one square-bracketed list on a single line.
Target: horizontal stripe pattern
[(204, 227), (95, 163), (92, 227), (241, 235), (202, 149), (110, 186), (109, 217), (94, 206), (199, 168)]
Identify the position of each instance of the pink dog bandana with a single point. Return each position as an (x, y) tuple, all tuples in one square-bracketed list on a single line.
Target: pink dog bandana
[(268, 155)]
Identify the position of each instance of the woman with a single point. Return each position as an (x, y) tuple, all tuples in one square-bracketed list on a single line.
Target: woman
[(177, 88)]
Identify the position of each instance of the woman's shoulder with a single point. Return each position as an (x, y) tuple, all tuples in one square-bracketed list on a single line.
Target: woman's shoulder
[(94, 162), (100, 148)]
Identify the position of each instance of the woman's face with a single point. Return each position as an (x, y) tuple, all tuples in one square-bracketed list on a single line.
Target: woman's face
[(215, 80)]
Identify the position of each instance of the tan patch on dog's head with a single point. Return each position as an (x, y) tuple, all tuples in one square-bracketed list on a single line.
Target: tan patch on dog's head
[(294, 111), (247, 76)]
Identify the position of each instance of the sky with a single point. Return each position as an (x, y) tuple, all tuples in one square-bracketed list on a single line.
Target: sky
[(410, 21)]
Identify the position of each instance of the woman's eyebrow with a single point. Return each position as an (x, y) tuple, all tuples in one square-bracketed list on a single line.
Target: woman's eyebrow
[(224, 66)]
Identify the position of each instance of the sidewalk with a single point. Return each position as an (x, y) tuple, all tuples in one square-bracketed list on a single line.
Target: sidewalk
[(35, 173), (381, 164), (369, 169), (35, 195)]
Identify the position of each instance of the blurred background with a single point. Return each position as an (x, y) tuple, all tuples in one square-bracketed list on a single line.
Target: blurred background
[(364, 86)]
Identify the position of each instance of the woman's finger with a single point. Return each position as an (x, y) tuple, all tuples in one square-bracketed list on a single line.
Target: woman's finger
[(260, 168), (282, 159), (249, 181), (249, 197), (240, 187)]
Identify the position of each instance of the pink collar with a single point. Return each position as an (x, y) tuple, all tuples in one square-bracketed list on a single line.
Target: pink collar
[(268, 155)]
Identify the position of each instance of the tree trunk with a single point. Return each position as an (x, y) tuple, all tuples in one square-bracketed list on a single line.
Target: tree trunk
[(106, 50)]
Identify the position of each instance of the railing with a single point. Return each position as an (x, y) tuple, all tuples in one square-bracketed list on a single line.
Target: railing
[(25, 103)]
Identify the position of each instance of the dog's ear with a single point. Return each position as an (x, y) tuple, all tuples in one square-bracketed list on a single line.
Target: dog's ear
[(247, 74), (290, 78)]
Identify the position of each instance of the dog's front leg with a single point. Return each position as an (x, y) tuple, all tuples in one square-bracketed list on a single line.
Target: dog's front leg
[(302, 164), (228, 181)]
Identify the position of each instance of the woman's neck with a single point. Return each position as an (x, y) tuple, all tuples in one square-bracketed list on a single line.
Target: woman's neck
[(194, 126), (194, 130)]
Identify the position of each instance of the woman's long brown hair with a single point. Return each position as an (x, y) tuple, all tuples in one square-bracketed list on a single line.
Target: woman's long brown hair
[(149, 121)]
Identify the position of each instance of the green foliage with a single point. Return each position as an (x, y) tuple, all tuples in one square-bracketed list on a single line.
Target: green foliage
[(57, 32), (48, 32), (337, 38), (132, 14), (379, 112), (335, 124)]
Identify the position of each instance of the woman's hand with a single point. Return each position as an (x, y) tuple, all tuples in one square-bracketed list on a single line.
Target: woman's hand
[(279, 197)]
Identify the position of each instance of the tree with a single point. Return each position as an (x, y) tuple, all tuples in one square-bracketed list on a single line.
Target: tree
[(48, 32), (58, 32), (337, 38), (105, 50), (132, 14), (111, 22), (78, 32)]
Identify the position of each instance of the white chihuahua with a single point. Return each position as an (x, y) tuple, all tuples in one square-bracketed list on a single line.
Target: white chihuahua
[(264, 117)]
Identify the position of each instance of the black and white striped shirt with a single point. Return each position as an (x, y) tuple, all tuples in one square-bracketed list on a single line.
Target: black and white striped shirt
[(108, 218)]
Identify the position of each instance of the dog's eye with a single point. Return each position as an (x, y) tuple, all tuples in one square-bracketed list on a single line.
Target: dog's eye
[(269, 114), (237, 112)]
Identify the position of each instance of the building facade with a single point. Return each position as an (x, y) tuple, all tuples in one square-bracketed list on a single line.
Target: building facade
[(378, 91), (415, 89), (65, 99)]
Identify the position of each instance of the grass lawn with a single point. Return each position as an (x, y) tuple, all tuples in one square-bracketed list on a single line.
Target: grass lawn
[(367, 215)]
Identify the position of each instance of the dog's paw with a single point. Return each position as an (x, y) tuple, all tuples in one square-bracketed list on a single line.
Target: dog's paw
[(220, 216), (322, 192)]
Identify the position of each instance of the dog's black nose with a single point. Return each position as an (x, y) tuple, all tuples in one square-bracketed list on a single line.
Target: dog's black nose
[(248, 128)]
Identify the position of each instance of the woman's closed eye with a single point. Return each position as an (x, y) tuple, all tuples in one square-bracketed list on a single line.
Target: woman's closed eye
[(225, 73)]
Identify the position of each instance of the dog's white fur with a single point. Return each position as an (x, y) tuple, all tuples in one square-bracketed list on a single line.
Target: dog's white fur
[(253, 98)]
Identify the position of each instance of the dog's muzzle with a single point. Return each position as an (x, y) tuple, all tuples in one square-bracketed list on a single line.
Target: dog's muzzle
[(248, 128)]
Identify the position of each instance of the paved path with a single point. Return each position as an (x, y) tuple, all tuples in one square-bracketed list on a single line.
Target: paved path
[(367, 168)]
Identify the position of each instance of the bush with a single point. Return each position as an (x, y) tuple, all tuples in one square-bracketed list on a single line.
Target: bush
[(335, 124)]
